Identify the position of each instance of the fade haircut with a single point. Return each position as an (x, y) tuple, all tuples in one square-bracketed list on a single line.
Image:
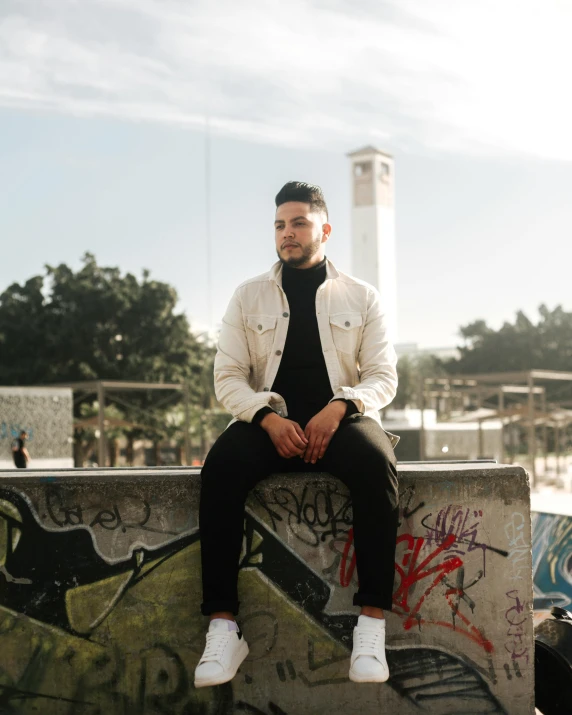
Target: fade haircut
[(306, 193)]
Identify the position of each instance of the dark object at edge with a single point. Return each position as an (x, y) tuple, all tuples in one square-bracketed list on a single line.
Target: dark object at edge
[(553, 663)]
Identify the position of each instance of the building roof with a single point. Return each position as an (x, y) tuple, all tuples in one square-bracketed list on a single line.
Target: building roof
[(369, 149)]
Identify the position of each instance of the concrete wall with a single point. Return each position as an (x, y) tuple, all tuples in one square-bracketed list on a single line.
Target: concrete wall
[(46, 414), (461, 440), (448, 440), (99, 605)]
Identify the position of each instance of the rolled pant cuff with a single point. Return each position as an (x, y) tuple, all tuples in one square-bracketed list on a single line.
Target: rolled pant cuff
[(209, 607), (370, 599)]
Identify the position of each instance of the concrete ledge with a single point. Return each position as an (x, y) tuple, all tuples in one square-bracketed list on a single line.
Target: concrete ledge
[(40, 464), (99, 605)]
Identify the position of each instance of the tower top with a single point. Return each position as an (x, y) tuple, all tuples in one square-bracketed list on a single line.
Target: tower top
[(369, 149)]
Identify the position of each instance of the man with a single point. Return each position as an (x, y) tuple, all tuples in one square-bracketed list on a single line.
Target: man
[(19, 451), (304, 366)]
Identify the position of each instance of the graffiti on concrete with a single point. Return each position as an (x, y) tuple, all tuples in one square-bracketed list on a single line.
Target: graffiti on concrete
[(117, 524), (99, 606), (431, 569), (516, 616), (551, 560), (109, 517), (462, 523), (10, 431), (312, 515), (518, 547), (46, 414)]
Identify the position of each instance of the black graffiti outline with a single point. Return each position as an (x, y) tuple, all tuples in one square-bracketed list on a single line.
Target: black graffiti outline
[(299, 513), (407, 511), (109, 519), (460, 588), (472, 543), (476, 686)]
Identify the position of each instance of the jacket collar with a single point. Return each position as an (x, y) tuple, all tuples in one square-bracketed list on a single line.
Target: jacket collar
[(275, 273)]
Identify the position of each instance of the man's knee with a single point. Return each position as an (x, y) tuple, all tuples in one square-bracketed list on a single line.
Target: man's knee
[(375, 469), (238, 456), (369, 471), (368, 457)]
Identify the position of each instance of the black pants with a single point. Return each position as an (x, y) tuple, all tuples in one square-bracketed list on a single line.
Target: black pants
[(360, 455)]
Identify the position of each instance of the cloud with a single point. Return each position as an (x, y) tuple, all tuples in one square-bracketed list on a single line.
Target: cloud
[(431, 75)]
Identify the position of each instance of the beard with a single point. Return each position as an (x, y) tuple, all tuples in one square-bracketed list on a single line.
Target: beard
[(307, 253)]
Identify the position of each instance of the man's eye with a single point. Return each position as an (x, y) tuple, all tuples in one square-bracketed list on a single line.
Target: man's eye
[(299, 223)]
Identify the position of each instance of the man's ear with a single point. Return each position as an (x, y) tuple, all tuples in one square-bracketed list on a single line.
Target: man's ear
[(326, 231)]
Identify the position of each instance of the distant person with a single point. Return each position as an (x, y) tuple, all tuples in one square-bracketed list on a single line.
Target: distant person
[(304, 365), (19, 451)]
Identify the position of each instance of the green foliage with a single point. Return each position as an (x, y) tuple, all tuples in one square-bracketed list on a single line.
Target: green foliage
[(411, 369), (95, 323), (85, 435), (522, 345)]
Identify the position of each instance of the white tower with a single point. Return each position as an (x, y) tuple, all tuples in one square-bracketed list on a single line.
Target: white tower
[(373, 227)]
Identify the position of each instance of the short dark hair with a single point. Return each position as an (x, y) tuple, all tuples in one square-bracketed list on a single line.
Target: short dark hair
[(301, 191)]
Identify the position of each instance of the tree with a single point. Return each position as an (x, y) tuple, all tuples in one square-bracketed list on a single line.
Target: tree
[(85, 432), (411, 370), (517, 346), (95, 323)]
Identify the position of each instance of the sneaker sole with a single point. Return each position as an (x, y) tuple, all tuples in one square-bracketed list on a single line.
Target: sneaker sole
[(228, 675), (357, 679)]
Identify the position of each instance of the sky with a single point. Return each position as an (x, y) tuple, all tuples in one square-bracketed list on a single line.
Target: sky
[(106, 106)]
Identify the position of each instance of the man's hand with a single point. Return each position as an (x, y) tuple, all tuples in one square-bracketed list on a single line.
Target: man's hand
[(321, 428), (286, 435)]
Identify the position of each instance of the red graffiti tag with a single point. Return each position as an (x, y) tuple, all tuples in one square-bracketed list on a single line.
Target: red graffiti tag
[(413, 569), (411, 572)]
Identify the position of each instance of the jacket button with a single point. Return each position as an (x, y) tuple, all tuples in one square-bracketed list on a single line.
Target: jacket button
[(279, 352), (284, 315), (347, 323), (260, 327), (266, 389)]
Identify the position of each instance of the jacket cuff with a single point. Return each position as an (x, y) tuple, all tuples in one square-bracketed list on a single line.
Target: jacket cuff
[(352, 408), (352, 398), (261, 414), (249, 408)]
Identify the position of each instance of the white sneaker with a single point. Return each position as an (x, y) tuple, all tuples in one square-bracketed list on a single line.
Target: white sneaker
[(224, 652), (368, 663)]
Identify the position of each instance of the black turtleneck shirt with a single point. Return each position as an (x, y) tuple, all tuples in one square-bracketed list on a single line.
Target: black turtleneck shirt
[(302, 378)]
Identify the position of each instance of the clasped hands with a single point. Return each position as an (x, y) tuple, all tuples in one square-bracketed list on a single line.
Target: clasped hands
[(291, 440)]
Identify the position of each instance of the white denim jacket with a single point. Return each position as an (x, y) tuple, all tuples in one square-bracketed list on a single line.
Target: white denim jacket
[(359, 358)]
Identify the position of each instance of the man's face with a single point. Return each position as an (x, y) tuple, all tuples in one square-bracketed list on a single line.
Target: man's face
[(301, 234)]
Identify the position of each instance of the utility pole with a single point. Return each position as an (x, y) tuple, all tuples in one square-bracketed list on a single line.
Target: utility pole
[(101, 424), (501, 410), (187, 425), (422, 415), (208, 218), (531, 427)]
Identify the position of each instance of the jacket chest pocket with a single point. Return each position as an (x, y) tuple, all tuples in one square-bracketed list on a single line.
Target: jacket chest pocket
[(346, 328), (260, 331)]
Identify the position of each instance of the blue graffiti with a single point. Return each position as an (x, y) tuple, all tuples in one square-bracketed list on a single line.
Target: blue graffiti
[(12, 431), (551, 560)]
